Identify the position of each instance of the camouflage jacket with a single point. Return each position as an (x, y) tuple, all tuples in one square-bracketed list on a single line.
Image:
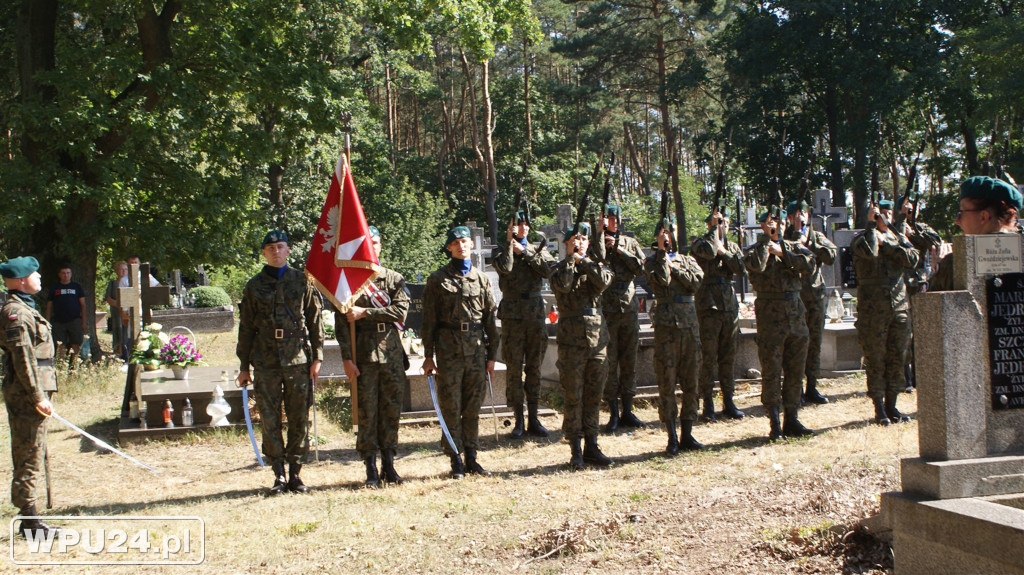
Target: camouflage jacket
[(377, 338), (280, 322), (923, 238), (625, 264), (824, 252), (521, 277), (578, 289), (459, 313), (771, 275), (26, 339), (881, 259), (674, 282), (717, 291)]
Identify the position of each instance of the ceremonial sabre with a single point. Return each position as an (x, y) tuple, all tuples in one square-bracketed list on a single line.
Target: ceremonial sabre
[(248, 423), (316, 438), (494, 414), (440, 418), (102, 443)]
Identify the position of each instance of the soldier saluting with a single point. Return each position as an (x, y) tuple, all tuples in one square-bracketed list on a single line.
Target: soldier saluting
[(29, 380)]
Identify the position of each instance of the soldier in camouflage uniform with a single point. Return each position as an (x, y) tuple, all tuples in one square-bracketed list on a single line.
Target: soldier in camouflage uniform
[(812, 293), (923, 238), (378, 366), (674, 279), (775, 267), (578, 281), (881, 257), (281, 335), (621, 311), (718, 313), (28, 382), (459, 326), (522, 269)]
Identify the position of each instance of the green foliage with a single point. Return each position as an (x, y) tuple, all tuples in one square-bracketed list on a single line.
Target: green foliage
[(210, 296), (232, 278), (940, 213)]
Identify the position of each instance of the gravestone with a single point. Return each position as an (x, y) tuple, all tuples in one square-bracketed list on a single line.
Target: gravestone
[(565, 221), (843, 266), (962, 504)]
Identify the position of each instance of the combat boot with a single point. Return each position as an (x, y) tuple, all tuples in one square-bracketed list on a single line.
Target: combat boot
[(534, 427), (791, 426), (472, 466), (518, 429), (372, 477), (729, 409), (673, 439), (812, 395), (592, 453), (613, 420), (387, 467), (686, 440), (775, 431), (880, 417), (280, 482), (39, 529), (890, 408), (908, 376), (708, 415), (628, 419), (295, 485), (458, 470), (576, 459)]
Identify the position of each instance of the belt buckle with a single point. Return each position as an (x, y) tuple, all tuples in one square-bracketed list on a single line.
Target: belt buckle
[(382, 327), (278, 334), (464, 326)]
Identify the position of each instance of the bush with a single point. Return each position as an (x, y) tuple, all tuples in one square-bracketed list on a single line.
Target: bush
[(210, 296)]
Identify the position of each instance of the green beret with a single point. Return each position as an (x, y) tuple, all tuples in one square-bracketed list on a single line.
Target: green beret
[(584, 230), (374, 233), (273, 237), (18, 268), (773, 211), (885, 204), (612, 210), (986, 188), (796, 206), (456, 233)]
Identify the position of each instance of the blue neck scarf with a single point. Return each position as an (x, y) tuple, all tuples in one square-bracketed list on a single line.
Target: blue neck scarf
[(24, 297), (276, 272), (463, 265)]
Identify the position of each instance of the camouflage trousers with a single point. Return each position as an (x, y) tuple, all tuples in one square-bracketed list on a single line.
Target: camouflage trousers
[(782, 350), (883, 340), (461, 385), (719, 331), (28, 444), (523, 342), (623, 341), (288, 386), (582, 372), (815, 318), (677, 361), (381, 389)]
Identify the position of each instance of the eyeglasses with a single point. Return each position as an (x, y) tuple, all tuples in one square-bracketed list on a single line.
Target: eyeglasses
[(960, 213)]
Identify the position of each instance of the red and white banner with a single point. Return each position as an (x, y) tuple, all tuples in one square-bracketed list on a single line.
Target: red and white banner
[(341, 261)]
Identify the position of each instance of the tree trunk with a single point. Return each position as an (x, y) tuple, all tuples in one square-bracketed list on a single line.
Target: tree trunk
[(834, 155), (491, 184), (631, 148)]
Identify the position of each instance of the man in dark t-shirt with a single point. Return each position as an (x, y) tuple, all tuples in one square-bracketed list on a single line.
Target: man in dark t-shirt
[(65, 309)]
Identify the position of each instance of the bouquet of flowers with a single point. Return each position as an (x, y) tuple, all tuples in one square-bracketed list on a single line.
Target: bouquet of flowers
[(180, 350), (147, 347)]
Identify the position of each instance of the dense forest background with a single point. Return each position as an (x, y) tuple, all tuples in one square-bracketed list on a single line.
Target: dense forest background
[(182, 131)]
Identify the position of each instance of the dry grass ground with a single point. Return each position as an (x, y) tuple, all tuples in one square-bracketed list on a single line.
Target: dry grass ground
[(744, 506)]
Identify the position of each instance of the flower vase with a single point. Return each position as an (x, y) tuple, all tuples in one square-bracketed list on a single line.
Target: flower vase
[(180, 371), (150, 367)]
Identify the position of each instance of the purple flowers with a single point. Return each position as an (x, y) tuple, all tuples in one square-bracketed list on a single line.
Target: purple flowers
[(180, 351)]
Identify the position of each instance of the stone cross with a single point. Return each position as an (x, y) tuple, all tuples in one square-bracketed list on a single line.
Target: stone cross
[(825, 214), (152, 295)]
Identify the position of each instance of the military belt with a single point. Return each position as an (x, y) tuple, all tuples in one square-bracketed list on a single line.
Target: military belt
[(717, 281), (584, 312), (676, 299), (529, 294), (878, 282), (288, 333), (374, 327), (779, 296), (44, 362), (464, 326)]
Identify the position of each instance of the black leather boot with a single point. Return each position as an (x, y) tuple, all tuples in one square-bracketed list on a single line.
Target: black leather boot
[(295, 485), (39, 529), (592, 453), (686, 440), (280, 481), (908, 376), (775, 431), (458, 469), (890, 408), (708, 415), (673, 439), (613, 420), (880, 416), (812, 395), (372, 477), (534, 427), (729, 409), (387, 467), (628, 419), (576, 459), (791, 426), (473, 466), (519, 428)]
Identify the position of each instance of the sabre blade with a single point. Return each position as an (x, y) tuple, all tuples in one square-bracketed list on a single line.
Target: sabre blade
[(102, 443), (248, 424), (440, 418)]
